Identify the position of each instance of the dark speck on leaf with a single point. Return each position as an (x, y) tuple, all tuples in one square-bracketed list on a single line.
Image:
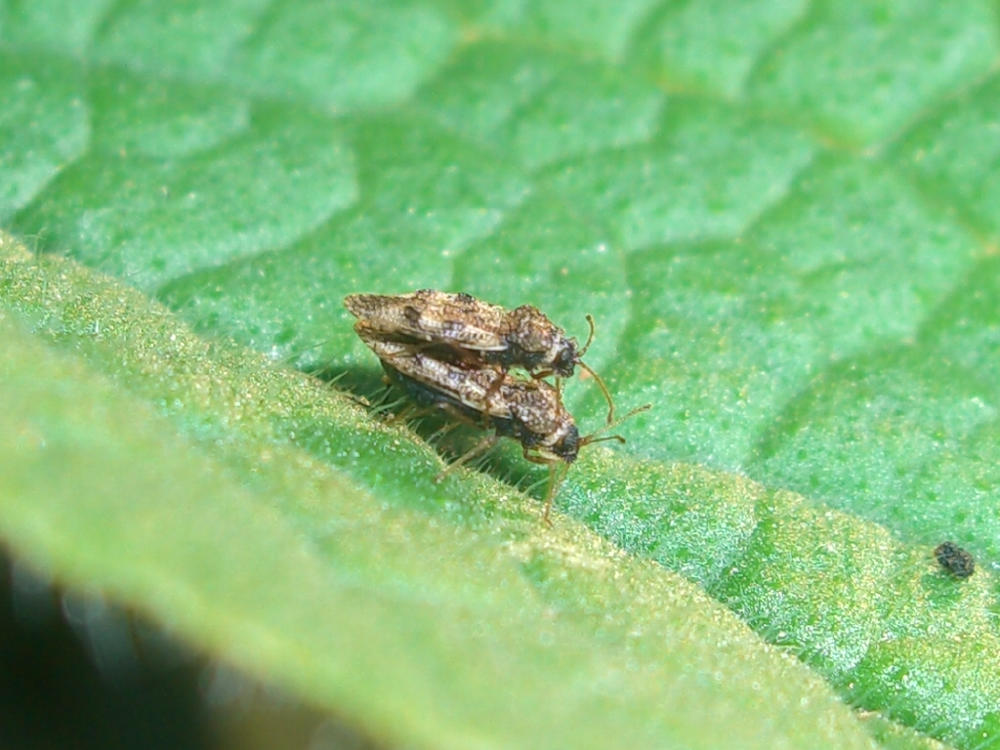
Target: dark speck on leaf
[(954, 559)]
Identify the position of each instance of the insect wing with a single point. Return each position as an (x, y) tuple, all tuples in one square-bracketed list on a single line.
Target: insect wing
[(469, 387), (456, 320)]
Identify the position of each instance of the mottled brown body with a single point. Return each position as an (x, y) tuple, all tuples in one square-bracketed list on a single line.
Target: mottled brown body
[(530, 411), (459, 327), (453, 352)]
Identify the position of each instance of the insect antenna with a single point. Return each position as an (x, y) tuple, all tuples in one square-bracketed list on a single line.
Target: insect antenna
[(607, 394), (592, 437), (590, 338), (600, 381)]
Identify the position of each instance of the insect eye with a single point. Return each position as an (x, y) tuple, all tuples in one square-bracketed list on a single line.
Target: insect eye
[(569, 446), (565, 361)]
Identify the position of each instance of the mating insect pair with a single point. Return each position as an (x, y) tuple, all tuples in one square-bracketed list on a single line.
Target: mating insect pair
[(454, 352)]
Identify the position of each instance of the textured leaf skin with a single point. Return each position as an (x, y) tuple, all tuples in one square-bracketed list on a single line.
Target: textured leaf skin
[(230, 501), (781, 214)]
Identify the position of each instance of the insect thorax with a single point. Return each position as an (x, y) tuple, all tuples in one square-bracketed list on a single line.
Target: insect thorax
[(536, 342)]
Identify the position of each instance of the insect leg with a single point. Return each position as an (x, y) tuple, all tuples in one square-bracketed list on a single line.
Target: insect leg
[(557, 472), (483, 445), (359, 400), (408, 412)]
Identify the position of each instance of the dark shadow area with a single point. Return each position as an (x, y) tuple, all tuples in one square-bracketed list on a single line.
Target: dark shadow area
[(54, 695), (77, 672)]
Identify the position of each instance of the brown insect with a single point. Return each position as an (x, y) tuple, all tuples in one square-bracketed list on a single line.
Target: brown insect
[(457, 327), (529, 411)]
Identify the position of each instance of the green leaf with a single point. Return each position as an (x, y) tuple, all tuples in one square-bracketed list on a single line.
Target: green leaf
[(781, 216), (234, 502)]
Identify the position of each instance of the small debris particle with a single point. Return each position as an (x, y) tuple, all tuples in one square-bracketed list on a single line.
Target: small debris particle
[(954, 559)]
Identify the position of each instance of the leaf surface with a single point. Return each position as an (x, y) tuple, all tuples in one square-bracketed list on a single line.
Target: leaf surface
[(780, 215)]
